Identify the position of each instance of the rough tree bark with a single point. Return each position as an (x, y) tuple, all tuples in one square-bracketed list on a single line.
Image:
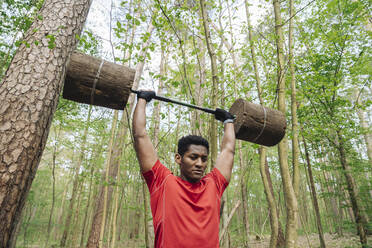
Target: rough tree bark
[(289, 194), (29, 95)]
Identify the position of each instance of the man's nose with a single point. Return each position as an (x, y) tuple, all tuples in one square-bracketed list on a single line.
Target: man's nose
[(199, 162)]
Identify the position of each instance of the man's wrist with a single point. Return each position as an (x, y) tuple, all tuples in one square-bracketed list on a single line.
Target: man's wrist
[(228, 121), (142, 100)]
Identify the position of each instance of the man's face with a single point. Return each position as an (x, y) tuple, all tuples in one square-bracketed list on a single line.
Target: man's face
[(193, 163)]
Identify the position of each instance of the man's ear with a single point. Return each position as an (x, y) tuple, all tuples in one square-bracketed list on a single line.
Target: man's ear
[(178, 158)]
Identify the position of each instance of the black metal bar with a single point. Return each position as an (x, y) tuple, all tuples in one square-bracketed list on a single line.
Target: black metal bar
[(164, 99)]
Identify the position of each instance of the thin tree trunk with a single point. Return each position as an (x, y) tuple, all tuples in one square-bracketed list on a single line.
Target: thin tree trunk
[(270, 199), (137, 215), (289, 193), (54, 155), (98, 225), (265, 174), (295, 144), (74, 231), (84, 225), (29, 96), (63, 201), (145, 217), (88, 208), (115, 207), (314, 197), (222, 234), (212, 56), (281, 238), (353, 192), (28, 221), (121, 213), (367, 135), (76, 181), (196, 121), (367, 138), (337, 218), (225, 223), (243, 189), (156, 113)]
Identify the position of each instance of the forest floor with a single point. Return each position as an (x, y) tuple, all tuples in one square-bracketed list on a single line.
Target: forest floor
[(312, 241)]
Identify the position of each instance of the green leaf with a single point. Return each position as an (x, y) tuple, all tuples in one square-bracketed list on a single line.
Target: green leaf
[(128, 17)]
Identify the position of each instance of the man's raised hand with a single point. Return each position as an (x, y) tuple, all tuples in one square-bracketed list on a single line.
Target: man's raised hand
[(223, 115), (146, 94)]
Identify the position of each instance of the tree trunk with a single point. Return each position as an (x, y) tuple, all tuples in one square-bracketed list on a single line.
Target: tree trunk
[(156, 113), (289, 194), (29, 96), (295, 144), (74, 232), (98, 224), (367, 135), (243, 190), (145, 215), (314, 197), (115, 206), (353, 192), (264, 170), (337, 218), (224, 230), (54, 155), (63, 201), (76, 181), (215, 81), (197, 122), (270, 200), (84, 225)]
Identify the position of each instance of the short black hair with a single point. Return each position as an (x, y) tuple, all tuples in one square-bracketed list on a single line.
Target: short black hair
[(186, 141)]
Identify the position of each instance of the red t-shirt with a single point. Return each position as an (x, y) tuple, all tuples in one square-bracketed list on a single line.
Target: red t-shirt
[(185, 214)]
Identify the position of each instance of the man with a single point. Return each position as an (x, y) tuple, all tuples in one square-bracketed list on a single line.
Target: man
[(185, 209)]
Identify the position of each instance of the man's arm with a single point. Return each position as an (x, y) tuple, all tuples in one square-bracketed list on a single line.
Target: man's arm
[(145, 151), (225, 159)]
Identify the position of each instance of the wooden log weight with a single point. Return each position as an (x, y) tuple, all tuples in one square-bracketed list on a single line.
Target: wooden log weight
[(258, 124), (94, 81)]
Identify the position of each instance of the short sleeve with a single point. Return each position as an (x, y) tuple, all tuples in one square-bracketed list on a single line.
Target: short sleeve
[(220, 180), (155, 177)]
